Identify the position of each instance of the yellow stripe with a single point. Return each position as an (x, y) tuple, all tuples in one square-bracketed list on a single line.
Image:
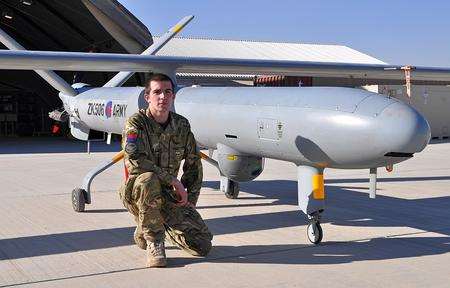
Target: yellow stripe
[(318, 187), (232, 157), (118, 156), (203, 156), (177, 28)]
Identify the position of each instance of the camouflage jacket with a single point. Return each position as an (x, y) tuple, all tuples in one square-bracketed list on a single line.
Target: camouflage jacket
[(151, 148)]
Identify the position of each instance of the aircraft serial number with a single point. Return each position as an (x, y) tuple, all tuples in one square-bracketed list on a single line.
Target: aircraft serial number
[(97, 109), (108, 109)]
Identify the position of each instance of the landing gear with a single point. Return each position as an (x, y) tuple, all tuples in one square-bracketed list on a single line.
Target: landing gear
[(311, 199), (314, 230), (229, 187), (82, 196), (79, 197), (233, 190)]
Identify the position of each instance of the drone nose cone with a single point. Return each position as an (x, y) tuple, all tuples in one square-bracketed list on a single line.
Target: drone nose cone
[(404, 129)]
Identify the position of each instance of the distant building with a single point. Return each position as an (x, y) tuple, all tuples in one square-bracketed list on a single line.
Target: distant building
[(242, 49)]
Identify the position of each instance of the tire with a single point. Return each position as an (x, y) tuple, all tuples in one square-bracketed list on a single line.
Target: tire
[(233, 190), (314, 232), (78, 199)]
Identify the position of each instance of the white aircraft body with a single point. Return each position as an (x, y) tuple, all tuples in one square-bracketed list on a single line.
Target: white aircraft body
[(315, 128)]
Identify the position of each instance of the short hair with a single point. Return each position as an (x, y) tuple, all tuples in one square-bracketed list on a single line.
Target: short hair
[(158, 77)]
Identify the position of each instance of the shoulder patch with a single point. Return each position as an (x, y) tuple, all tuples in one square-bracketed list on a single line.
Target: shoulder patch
[(132, 137)]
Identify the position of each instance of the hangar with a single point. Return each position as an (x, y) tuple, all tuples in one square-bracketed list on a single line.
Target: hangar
[(60, 25), (107, 26), (243, 49)]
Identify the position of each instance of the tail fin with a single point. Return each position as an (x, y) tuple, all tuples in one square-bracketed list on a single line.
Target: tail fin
[(122, 77), (51, 77)]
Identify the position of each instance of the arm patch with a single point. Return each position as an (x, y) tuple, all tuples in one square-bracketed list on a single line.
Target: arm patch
[(132, 137)]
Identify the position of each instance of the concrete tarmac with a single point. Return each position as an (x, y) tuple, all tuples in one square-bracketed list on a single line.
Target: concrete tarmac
[(399, 239)]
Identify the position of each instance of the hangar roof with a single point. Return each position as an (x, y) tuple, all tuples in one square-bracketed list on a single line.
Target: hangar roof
[(69, 25), (243, 49)]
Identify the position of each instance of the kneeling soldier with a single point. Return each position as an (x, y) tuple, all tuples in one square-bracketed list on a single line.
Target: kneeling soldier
[(155, 141)]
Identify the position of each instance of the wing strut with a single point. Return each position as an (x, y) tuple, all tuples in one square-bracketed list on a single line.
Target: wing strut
[(51, 77), (122, 77)]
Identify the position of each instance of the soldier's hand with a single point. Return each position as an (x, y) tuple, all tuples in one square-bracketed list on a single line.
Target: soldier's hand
[(182, 197), (181, 192)]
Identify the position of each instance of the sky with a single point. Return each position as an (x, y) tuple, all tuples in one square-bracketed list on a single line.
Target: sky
[(395, 31)]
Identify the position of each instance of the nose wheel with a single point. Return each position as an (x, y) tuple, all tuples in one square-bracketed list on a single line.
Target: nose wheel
[(229, 187), (232, 191), (314, 230), (78, 199)]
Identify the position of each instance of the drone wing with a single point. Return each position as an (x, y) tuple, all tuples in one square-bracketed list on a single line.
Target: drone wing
[(75, 61)]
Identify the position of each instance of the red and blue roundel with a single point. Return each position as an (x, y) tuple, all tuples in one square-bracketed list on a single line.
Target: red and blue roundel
[(108, 109)]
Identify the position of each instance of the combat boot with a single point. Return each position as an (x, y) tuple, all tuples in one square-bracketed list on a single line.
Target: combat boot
[(139, 239), (156, 254)]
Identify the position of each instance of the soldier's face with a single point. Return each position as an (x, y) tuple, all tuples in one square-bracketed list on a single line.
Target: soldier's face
[(160, 96)]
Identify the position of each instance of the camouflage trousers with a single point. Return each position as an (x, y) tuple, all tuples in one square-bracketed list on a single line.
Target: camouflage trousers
[(157, 216)]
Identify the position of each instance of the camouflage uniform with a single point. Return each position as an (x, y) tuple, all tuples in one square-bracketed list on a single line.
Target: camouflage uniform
[(153, 155)]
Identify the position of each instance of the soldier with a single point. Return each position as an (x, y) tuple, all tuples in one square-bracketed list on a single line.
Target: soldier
[(155, 141)]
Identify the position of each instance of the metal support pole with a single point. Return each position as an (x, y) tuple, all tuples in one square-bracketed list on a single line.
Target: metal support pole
[(51, 77), (407, 69), (209, 160), (122, 77), (108, 139), (373, 183), (87, 181), (88, 147)]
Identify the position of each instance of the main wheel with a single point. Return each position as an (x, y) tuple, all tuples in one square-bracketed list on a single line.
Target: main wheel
[(78, 199), (314, 232), (233, 190)]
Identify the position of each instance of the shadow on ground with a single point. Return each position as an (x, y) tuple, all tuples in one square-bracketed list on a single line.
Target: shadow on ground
[(344, 208), (52, 145), (328, 253), (347, 207)]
